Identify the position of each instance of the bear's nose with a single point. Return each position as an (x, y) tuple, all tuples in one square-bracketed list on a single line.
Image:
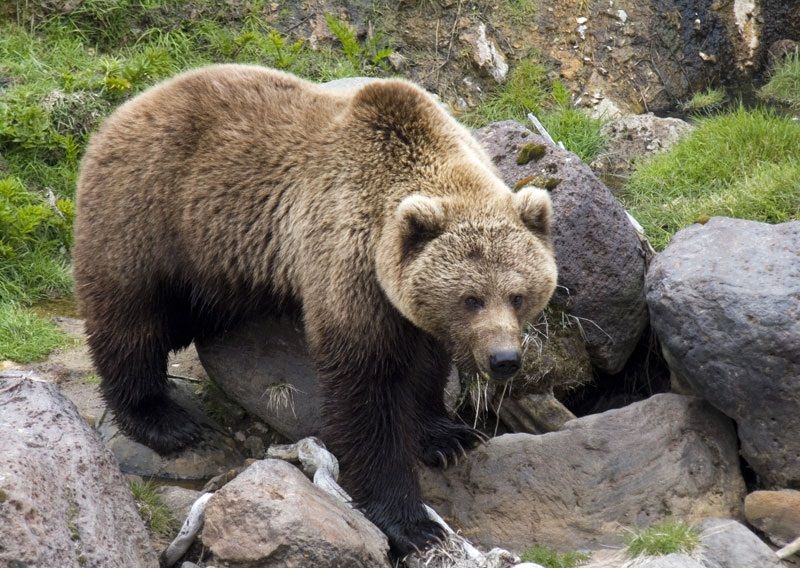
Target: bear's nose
[(504, 363)]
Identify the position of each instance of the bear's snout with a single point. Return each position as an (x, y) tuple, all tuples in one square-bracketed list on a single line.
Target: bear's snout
[(504, 364)]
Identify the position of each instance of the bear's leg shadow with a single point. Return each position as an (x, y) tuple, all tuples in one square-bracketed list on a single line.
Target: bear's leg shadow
[(443, 440), (370, 425), (129, 343)]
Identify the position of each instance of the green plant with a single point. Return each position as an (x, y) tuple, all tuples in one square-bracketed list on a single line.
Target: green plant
[(363, 57), (24, 336), (152, 509), (784, 84), (552, 559), (665, 537), (706, 101), (579, 132), (526, 90), (742, 164)]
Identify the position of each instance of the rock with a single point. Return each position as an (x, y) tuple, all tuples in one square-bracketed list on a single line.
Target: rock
[(213, 455), (534, 414), (724, 300), (271, 515), (265, 367), (633, 137), (775, 513), (63, 500), (485, 53), (726, 543), (667, 455), (674, 560), (601, 271), (177, 499)]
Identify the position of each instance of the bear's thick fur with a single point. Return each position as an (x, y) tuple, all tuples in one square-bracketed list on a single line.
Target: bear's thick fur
[(234, 191)]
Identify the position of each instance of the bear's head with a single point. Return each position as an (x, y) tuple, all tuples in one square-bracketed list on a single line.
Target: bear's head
[(471, 272)]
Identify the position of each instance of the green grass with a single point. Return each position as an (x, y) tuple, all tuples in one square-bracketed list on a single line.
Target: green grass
[(784, 85), (26, 337), (666, 537), (528, 90), (704, 102), (741, 164), (152, 509), (552, 559)]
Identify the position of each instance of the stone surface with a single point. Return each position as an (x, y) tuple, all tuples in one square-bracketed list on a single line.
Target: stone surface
[(724, 300), (600, 260), (214, 454), (177, 499), (633, 137), (265, 367), (63, 500), (775, 513), (667, 455), (726, 543), (486, 55), (271, 515), (674, 560)]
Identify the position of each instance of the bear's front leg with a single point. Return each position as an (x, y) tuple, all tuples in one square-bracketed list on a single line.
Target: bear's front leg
[(443, 440), (370, 425)]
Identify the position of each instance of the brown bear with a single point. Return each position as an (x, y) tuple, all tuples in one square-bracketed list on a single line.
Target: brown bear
[(236, 191)]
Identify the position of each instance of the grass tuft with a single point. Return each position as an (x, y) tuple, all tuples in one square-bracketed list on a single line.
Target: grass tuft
[(25, 337), (525, 90), (152, 509), (552, 559), (705, 102), (784, 85), (742, 164), (579, 132), (666, 537)]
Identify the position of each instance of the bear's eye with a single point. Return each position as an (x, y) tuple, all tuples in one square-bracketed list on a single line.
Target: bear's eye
[(473, 303), (517, 302)]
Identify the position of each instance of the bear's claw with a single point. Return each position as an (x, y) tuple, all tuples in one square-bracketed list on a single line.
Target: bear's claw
[(446, 442), (159, 423), (416, 536)]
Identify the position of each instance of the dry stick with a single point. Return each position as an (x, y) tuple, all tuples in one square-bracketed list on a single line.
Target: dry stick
[(191, 526), (543, 131), (790, 549)]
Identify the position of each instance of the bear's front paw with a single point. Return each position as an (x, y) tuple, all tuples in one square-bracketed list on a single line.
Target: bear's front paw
[(413, 536), (160, 424), (445, 442)]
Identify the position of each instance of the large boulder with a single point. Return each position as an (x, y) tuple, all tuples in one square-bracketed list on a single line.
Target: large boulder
[(601, 263), (775, 513), (264, 366), (724, 299), (667, 455), (63, 500), (726, 543), (271, 515)]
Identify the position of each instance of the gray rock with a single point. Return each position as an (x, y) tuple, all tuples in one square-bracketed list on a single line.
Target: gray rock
[(667, 455), (669, 561), (265, 367), (213, 455), (600, 261), (63, 500), (271, 515), (635, 136), (724, 299), (177, 499), (726, 543), (775, 513)]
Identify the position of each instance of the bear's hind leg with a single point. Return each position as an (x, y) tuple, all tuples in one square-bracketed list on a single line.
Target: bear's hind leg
[(130, 352), (443, 440)]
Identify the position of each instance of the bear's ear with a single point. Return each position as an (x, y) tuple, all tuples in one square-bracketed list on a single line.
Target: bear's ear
[(535, 209), (420, 220)]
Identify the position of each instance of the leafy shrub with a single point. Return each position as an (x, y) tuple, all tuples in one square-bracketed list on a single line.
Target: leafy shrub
[(362, 57)]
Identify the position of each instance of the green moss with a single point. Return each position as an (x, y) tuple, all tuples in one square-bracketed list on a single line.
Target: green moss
[(530, 152), (552, 559), (741, 164), (152, 509), (548, 183), (3, 496), (784, 84), (92, 379), (666, 537), (25, 337)]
